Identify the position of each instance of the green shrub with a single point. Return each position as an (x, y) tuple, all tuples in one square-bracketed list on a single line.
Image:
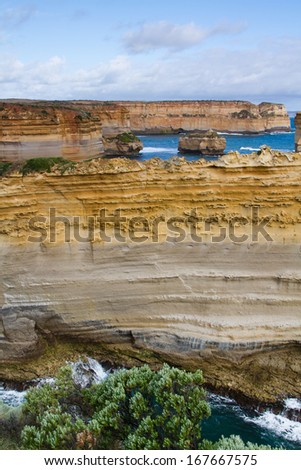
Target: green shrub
[(127, 137), (45, 165), (136, 409), (4, 167), (50, 396), (233, 443), (56, 430), (143, 409), (131, 409)]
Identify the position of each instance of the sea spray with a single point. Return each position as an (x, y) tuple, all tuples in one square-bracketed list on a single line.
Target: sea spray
[(86, 373)]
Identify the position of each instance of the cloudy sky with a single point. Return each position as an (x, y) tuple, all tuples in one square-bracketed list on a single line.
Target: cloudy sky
[(151, 49)]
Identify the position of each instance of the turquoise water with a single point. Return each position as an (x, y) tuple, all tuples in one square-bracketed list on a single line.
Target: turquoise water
[(166, 146), (264, 427)]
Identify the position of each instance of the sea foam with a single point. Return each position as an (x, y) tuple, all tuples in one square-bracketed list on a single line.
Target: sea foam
[(278, 424), (159, 149)]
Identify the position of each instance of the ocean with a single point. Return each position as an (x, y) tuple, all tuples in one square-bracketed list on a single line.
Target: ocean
[(166, 146), (228, 417)]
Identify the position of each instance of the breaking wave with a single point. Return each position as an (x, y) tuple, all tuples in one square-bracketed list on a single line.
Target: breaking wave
[(252, 149), (11, 397), (278, 424), (159, 149)]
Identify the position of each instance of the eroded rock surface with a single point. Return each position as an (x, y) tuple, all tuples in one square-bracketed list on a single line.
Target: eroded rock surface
[(197, 263), (204, 143)]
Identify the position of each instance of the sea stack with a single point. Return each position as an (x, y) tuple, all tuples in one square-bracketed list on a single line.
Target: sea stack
[(204, 143)]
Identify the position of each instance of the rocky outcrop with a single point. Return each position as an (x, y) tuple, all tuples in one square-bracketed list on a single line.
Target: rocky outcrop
[(193, 263), (29, 130), (204, 143), (298, 132), (224, 116), (125, 144)]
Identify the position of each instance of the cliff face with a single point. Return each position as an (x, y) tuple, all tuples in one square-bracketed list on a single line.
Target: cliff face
[(195, 263), (226, 116), (115, 118), (298, 132), (28, 131)]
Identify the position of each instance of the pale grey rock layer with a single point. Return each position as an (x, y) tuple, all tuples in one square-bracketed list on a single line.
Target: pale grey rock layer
[(183, 297)]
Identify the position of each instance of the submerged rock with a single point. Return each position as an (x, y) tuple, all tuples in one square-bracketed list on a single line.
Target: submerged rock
[(205, 143)]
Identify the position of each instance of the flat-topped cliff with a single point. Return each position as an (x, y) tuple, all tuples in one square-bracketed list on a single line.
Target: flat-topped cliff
[(196, 263), (30, 130), (224, 116)]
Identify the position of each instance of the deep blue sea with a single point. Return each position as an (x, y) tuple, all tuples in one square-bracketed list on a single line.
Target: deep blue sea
[(166, 146)]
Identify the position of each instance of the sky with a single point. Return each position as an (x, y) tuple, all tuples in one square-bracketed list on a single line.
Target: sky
[(151, 50)]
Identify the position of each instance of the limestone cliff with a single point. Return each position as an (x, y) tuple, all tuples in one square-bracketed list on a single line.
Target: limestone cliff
[(224, 116), (32, 130), (195, 263)]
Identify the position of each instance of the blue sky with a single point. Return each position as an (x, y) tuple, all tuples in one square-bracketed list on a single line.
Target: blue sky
[(148, 50)]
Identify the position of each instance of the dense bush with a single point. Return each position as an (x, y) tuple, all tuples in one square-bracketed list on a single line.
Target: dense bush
[(130, 409), (142, 409), (45, 165), (233, 443), (127, 137), (4, 167)]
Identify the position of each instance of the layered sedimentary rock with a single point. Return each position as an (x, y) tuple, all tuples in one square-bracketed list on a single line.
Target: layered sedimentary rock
[(195, 263), (122, 144), (298, 132), (204, 143), (28, 131), (115, 118), (224, 116)]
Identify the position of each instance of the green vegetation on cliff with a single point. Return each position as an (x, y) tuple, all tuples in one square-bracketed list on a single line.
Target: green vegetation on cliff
[(130, 409), (45, 165), (127, 137), (4, 167)]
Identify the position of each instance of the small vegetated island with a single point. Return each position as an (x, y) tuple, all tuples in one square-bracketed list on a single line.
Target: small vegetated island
[(194, 264)]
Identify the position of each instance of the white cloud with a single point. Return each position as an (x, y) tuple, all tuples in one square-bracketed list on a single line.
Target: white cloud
[(163, 35), (267, 72), (166, 35)]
